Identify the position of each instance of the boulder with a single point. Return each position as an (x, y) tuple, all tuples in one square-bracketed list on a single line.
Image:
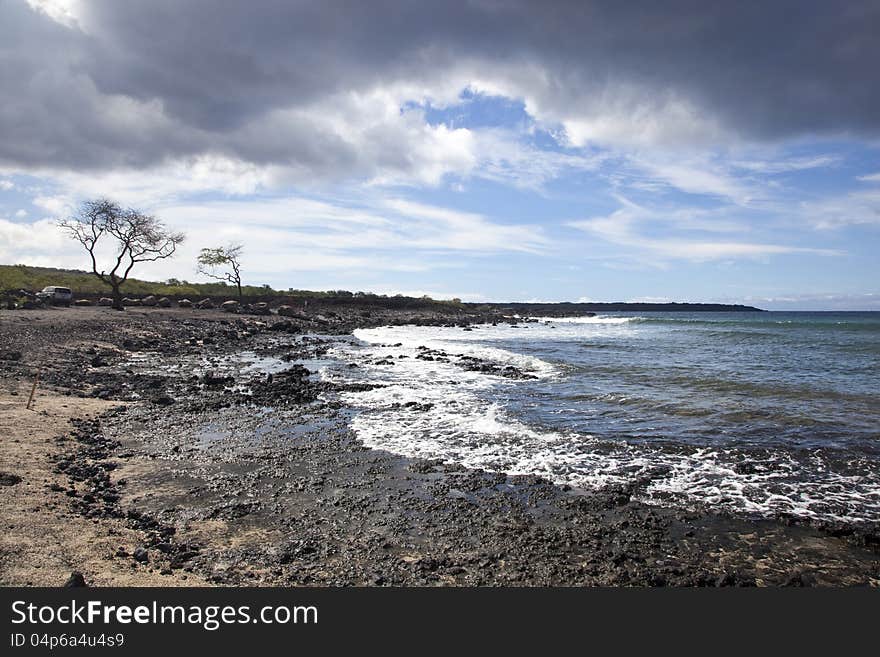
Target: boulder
[(230, 306), (205, 304), (105, 301), (184, 303), (286, 311), (9, 479), (76, 580), (148, 301), (83, 302), (164, 302), (261, 308), (131, 302)]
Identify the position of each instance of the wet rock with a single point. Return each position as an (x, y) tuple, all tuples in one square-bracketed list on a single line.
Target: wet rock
[(474, 364), (105, 301), (131, 302), (184, 303), (164, 302), (205, 304), (210, 379), (149, 301), (292, 386), (230, 306)]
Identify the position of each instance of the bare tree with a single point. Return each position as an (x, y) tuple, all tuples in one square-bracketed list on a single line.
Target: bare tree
[(222, 264), (135, 237)]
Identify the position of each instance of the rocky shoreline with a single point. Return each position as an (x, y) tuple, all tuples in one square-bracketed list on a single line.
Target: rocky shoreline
[(239, 477)]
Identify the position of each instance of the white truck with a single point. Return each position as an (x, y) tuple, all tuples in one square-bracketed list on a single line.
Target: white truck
[(56, 295)]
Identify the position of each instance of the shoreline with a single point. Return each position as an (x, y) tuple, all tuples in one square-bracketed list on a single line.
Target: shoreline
[(225, 493)]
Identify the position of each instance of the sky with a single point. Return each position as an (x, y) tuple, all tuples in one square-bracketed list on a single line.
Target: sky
[(485, 150)]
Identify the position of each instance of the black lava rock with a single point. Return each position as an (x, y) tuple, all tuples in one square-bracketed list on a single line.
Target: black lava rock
[(9, 479), (76, 580)]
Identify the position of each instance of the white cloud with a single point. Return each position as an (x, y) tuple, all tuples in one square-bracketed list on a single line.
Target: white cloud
[(622, 226), (65, 12), (785, 165), (431, 227), (503, 158), (627, 117), (856, 208), (871, 177), (651, 300), (610, 113), (289, 235), (695, 176), (31, 242), (56, 206), (817, 301)]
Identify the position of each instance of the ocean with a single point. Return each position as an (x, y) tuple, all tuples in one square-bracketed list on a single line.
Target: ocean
[(759, 413)]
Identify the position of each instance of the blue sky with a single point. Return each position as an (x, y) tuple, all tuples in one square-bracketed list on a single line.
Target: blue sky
[(473, 179)]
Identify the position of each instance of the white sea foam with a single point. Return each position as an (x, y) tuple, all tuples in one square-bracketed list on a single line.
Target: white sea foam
[(454, 340), (598, 319), (457, 416)]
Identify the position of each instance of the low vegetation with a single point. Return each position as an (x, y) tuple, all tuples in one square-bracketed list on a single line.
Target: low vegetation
[(21, 277)]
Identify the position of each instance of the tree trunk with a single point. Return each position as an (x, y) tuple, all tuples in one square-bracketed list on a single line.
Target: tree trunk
[(117, 298), (238, 284)]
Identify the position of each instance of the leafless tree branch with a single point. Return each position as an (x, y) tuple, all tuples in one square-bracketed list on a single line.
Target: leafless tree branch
[(137, 237)]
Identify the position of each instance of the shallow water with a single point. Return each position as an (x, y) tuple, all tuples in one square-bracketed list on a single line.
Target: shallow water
[(762, 413)]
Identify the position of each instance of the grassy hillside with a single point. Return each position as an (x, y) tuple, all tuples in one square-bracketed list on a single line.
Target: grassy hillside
[(15, 277), (21, 277)]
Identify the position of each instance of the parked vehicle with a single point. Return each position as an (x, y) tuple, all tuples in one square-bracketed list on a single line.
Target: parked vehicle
[(56, 296)]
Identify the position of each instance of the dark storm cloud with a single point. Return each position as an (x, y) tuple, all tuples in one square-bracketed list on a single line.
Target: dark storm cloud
[(207, 75)]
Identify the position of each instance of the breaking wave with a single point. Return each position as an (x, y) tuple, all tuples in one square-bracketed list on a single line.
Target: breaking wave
[(439, 409)]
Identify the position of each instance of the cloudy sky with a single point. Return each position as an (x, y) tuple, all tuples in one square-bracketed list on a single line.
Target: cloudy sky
[(488, 149)]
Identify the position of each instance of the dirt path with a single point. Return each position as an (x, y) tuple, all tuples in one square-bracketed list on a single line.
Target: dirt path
[(43, 540)]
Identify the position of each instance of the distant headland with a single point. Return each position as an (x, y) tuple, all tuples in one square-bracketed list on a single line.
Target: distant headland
[(569, 308), (16, 280)]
